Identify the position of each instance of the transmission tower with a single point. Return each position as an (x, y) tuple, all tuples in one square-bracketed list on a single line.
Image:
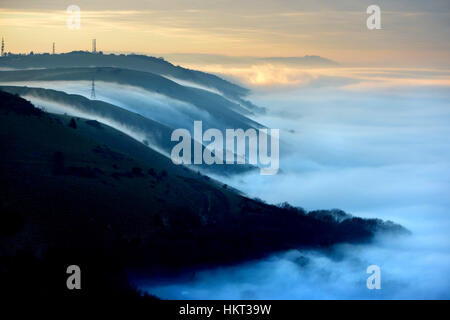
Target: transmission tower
[(94, 46), (3, 47), (93, 89), (53, 51)]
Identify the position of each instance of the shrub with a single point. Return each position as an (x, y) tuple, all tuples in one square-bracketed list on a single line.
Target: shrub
[(164, 174), (72, 123), (136, 171), (152, 172)]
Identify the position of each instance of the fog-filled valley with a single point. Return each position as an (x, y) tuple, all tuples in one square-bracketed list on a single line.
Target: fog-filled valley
[(372, 147), (373, 143)]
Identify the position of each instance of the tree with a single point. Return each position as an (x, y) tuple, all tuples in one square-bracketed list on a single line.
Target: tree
[(152, 172), (136, 171), (73, 124)]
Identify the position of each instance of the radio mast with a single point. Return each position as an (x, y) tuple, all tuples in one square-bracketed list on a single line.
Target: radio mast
[(93, 89)]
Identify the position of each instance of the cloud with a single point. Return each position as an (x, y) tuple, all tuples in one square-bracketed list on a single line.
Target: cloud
[(382, 153), (131, 131), (405, 265), (290, 28), (173, 113), (249, 6), (263, 77)]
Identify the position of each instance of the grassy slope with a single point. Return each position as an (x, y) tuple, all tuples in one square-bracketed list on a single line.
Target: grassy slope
[(231, 114), (133, 62), (157, 134), (72, 194)]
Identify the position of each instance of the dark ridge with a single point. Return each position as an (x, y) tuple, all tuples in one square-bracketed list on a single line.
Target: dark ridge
[(16, 104), (70, 197), (130, 61)]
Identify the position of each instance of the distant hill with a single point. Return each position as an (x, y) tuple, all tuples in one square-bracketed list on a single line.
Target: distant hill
[(77, 191), (186, 58), (154, 123), (154, 134), (302, 61), (230, 114), (131, 61)]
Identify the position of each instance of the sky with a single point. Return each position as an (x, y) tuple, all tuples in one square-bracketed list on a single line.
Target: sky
[(414, 33)]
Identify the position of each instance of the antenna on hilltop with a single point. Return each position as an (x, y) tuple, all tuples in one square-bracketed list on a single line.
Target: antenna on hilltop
[(93, 89), (53, 51), (94, 46), (3, 47)]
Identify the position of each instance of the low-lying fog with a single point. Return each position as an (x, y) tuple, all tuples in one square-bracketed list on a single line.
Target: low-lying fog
[(173, 113), (377, 148), (375, 144)]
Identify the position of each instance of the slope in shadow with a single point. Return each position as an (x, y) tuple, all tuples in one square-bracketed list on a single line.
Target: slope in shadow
[(69, 197)]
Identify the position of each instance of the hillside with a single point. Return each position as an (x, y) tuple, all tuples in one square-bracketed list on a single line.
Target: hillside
[(152, 133), (77, 191), (134, 62), (230, 114)]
